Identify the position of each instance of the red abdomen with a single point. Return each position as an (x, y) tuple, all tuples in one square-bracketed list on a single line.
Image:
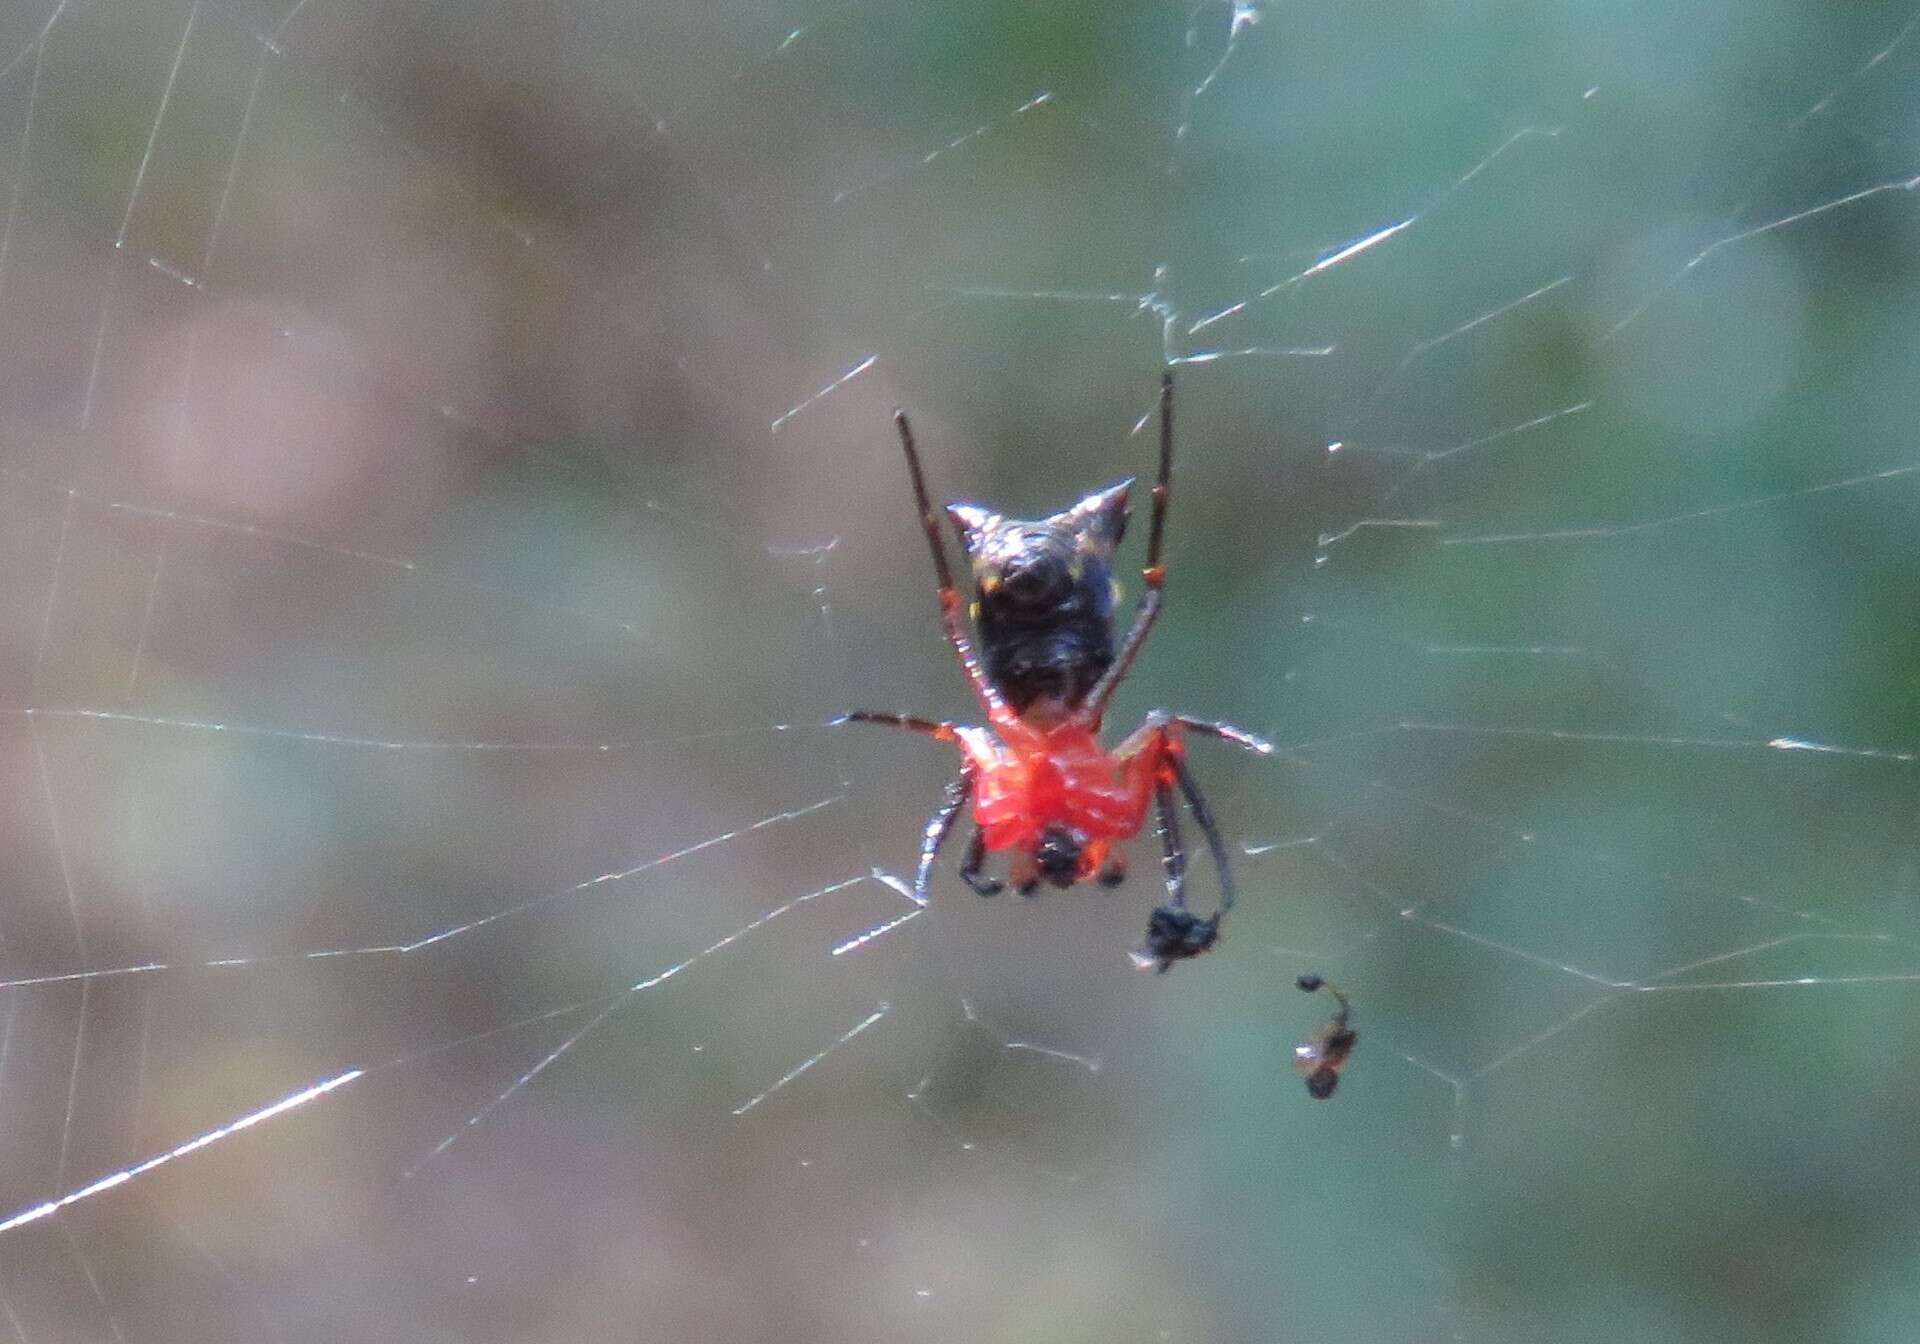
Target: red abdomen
[(1053, 777)]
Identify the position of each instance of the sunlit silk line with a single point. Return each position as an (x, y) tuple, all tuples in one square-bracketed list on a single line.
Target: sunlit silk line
[(93, 1282), (1091, 1063), (1490, 315), (603, 879), (742, 932), (1826, 749), (895, 883), (1532, 1043), (624, 873), (1784, 222), (306, 735), (388, 949), (240, 145), (326, 739), (862, 939), (38, 50), (1825, 102), (979, 132), (1438, 454), (1572, 735), (1508, 650), (490, 591), (1295, 753), (1661, 979), (1051, 295), (1421, 348), (1717, 511), (1788, 982), (810, 551), (1241, 16), (826, 391), (193, 1145), (1334, 538), (1430, 457), (1220, 316), (71, 977), (1254, 851), (1347, 253), (249, 530), (53, 595), (892, 883), (808, 1063), (153, 132), (281, 27), (1566, 968), (552, 1056), (611, 1007), (73, 1085), (126, 218), (61, 852), (35, 46), (1253, 352), (1326, 263), (138, 661), (1877, 58), (1379, 236)]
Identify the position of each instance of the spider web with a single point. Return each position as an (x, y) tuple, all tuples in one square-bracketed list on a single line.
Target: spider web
[(448, 493)]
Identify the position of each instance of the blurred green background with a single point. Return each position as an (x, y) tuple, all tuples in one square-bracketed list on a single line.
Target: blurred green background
[(447, 490)]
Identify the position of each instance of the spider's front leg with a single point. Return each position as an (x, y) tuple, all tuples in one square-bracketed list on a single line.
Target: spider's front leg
[(938, 730), (952, 607), (940, 825)]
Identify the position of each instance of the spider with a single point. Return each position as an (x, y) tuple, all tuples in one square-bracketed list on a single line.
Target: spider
[(1040, 783)]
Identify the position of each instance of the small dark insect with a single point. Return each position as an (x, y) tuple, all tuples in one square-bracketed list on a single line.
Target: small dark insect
[(1320, 1058), (1041, 784)]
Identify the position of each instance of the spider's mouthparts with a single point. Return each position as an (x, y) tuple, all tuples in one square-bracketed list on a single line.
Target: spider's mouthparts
[(1057, 857)]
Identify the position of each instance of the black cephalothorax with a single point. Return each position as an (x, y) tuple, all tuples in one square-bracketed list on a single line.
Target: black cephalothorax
[(1043, 595)]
